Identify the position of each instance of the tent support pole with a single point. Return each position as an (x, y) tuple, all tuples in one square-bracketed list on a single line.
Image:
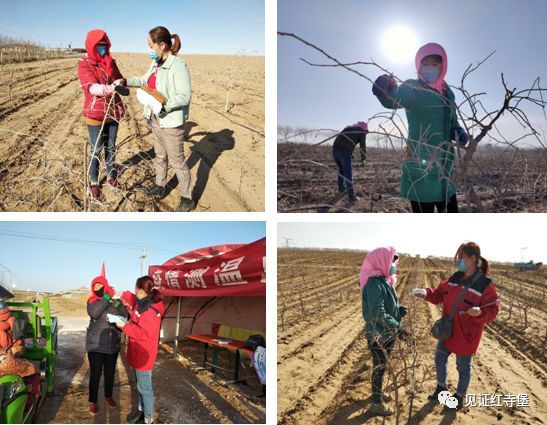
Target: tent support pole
[(177, 329)]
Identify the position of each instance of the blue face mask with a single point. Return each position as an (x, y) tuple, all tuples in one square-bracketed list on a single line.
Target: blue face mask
[(154, 56), (461, 266), (392, 269), (101, 50), (430, 73)]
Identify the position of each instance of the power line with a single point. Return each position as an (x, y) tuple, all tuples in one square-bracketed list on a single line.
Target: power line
[(107, 244), (19, 280), (144, 248)]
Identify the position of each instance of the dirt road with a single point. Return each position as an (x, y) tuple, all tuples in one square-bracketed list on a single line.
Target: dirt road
[(42, 136), (180, 396)]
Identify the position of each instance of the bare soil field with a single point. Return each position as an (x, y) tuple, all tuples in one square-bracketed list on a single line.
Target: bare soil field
[(306, 181), (324, 364), (43, 134)]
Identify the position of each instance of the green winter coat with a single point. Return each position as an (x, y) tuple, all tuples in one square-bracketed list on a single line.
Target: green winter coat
[(173, 82), (428, 173), (380, 308)]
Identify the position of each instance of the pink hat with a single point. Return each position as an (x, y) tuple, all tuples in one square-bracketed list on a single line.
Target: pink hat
[(361, 124), (428, 50)]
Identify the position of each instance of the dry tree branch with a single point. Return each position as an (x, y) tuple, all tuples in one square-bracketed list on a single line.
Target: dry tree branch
[(478, 121)]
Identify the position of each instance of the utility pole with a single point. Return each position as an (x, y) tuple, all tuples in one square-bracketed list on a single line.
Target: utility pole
[(288, 242), (523, 252), (143, 260)]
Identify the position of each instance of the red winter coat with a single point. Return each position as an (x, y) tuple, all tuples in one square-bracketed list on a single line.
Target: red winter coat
[(466, 330), (92, 69), (143, 331)]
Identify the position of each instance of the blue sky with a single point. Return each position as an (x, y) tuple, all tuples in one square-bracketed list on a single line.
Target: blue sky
[(354, 30), (501, 238), (54, 266), (205, 26)]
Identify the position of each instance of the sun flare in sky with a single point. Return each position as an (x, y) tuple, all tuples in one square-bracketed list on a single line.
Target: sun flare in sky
[(399, 44)]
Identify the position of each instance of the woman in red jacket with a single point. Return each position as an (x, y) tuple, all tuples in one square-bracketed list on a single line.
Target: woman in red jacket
[(143, 331), (103, 106), (478, 307)]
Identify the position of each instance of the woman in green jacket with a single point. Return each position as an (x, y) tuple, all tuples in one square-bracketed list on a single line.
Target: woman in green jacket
[(382, 314), (428, 175), (166, 93)]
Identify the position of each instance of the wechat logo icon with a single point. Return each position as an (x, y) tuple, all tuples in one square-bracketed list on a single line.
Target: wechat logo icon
[(447, 399)]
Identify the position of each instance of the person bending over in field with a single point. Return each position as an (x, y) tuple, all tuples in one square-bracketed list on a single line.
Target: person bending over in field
[(427, 178), (103, 106), (472, 296), (382, 314), (342, 152), (166, 93)]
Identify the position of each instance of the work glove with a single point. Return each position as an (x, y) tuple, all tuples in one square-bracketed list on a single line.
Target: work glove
[(418, 292), (117, 320), (402, 334), (403, 310), (461, 136), (383, 85), (124, 91), (147, 99), (362, 163)]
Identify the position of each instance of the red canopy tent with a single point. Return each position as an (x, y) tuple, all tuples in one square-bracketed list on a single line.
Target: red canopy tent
[(222, 270), (218, 284)]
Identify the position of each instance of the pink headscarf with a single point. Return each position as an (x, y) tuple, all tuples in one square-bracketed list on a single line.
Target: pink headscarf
[(361, 124), (378, 263), (433, 49)]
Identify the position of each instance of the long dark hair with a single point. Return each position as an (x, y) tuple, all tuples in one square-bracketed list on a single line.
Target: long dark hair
[(162, 35), (146, 283), (471, 248)]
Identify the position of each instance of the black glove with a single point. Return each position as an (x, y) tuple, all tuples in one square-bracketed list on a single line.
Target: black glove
[(124, 91), (402, 334), (403, 310)]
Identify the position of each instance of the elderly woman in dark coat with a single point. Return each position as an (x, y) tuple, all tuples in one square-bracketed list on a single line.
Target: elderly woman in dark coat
[(103, 340)]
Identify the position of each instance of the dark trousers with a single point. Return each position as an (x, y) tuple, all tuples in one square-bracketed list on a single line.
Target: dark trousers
[(345, 175), (379, 353), (429, 207), (98, 362)]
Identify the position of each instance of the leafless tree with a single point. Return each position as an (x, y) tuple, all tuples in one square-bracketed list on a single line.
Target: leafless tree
[(480, 123)]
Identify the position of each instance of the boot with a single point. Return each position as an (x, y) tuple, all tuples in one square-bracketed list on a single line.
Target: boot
[(156, 191), (135, 418), (353, 199), (110, 401), (95, 191), (186, 205), (93, 408), (435, 395), (380, 409), (113, 181)]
